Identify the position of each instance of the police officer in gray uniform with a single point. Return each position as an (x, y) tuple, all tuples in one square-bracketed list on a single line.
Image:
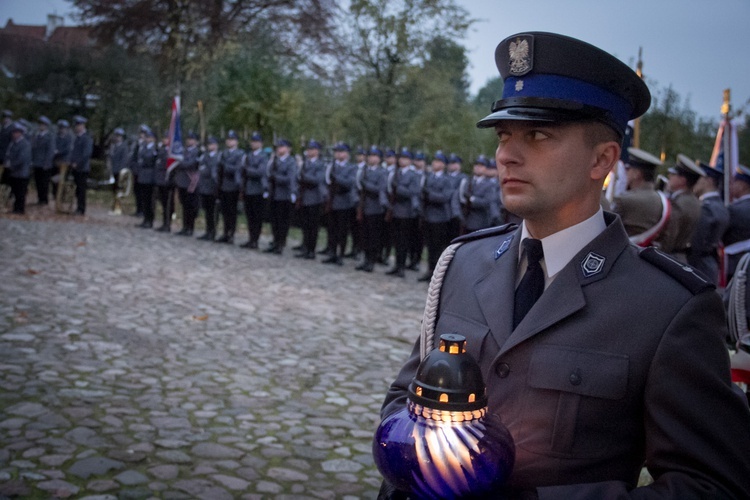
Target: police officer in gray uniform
[(374, 203), (118, 157), (437, 194), (5, 138), (63, 146), (143, 131), (342, 186), (186, 180), (479, 197), (282, 183), (311, 178), (404, 190), (42, 156), (229, 190), (80, 157), (457, 177), (164, 184), (739, 216), (598, 357), (147, 154), (208, 185), (713, 221), (18, 161), (253, 178)]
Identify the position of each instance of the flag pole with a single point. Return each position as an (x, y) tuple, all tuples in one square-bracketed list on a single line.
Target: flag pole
[(637, 121), (726, 110)]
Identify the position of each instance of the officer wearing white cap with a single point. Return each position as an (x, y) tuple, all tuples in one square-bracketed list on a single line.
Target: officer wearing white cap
[(738, 232), (643, 210), (713, 221), (42, 156), (686, 209), (599, 357)]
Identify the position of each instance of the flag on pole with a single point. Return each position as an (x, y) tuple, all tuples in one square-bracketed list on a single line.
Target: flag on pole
[(726, 140), (175, 137)]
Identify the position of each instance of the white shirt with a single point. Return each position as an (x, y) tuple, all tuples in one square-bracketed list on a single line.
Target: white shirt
[(710, 194), (561, 247)]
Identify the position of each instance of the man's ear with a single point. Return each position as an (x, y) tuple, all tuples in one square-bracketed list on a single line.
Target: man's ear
[(605, 159)]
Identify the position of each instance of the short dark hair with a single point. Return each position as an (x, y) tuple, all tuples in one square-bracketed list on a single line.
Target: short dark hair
[(600, 132)]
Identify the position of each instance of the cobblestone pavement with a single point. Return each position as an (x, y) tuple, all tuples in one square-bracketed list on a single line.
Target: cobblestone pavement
[(136, 364)]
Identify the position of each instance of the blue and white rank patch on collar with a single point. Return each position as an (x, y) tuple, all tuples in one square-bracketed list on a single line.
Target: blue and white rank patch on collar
[(592, 265), (504, 246)]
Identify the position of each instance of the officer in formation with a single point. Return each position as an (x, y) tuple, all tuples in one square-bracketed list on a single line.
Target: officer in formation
[(254, 185), (737, 236), (404, 189), (341, 178), (42, 159), (282, 178), (117, 158), (163, 185), (686, 209), (143, 131), (598, 356), (373, 204), (229, 191), (80, 157), (145, 169), (478, 195), (712, 223), (17, 163), (208, 176), (311, 182), (437, 195), (186, 181)]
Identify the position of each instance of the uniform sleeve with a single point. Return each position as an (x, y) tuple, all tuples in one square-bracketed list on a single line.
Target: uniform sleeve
[(701, 243), (696, 421), (283, 176), (49, 160)]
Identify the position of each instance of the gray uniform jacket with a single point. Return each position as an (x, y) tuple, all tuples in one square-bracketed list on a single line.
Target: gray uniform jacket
[(603, 374), (231, 163), (343, 186), (118, 157), (437, 195), (406, 188), (43, 150), (147, 163), (282, 176), (254, 171), (6, 136), (135, 155), (160, 168), (80, 155), (713, 221), (187, 167), (482, 197), (63, 145), (311, 176), (456, 180), (208, 169), (738, 230), (18, 157), (374, 189)]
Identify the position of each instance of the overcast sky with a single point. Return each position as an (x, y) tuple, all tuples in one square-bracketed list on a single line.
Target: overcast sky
[(697, 46)]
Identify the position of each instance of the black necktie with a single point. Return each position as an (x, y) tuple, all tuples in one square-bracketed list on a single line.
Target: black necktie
[(532, 283)]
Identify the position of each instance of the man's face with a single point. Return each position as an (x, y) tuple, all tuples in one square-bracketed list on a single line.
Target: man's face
[(632, 175), (341, 155), (79, 128), (16, 135), (191, 142), (360, 158), (390, 160), (373, 160), (231, 143), (546, 170), (437, 166), (479, 170), (454, 167), (282, 150), (677, 182), (42, 127), (403, 161), (312, 152), (255, 145), (419, 164), (213, 146)]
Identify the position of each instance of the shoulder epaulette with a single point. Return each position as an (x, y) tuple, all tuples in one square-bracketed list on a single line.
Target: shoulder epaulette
[(683, 273), (484, 233)]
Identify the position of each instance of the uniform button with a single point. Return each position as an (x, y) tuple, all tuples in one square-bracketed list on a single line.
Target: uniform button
[(575, 377), (502, 370)]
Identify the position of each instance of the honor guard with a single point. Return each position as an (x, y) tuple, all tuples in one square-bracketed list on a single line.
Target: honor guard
[(117, 157), (310, 180), (282, 180), (477, 197), (232, 160), (416, 241), (490, 174), (457, 177), (63, 146), (643, 210), (686, 209), (186, 180), (404, 188), (5, 135), (143, 131), (164, 184), (373, 204), (437, 195), (737, 236), (588, 394), (342, 178), (147, 154), (80, 157), (18, 163), (713, 221), (208, 186), (360, 159), (390, 167), (254, 183), (42, 156)]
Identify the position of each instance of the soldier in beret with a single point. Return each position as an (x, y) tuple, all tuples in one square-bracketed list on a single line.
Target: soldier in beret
[(599, 357), (713, 221)]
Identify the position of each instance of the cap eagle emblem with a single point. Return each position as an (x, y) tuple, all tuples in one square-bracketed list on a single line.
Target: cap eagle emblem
[(520, 60)]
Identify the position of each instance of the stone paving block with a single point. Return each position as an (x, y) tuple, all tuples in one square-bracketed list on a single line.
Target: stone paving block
[(94, 466)]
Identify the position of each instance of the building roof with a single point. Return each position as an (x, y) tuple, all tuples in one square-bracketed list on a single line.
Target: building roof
[(25, 30)]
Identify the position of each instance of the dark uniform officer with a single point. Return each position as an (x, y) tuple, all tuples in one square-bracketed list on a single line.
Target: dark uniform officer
[(739, 219), (232, 160), (310, 179), (117, 156), (255, 185), (404, 185), (387, 244), (342, 184), (457, 177), (373, 205), (147, 154), (478, 194), (437, 194), (282, 179), (713, 221), (143, 131), (643, 210), (80, 157), (356, 229), (5, 138), (42, 156), (186, 180), (164, 184), (495, 205), (208, 170), (18, 161), (686, 209), (605, 357), (63, 146)]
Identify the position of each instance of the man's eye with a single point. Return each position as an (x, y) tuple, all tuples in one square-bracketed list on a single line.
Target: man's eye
[(538, 135), (503, 136)]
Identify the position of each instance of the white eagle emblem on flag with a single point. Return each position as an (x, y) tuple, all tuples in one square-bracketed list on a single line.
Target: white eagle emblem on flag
[(520, 60)]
